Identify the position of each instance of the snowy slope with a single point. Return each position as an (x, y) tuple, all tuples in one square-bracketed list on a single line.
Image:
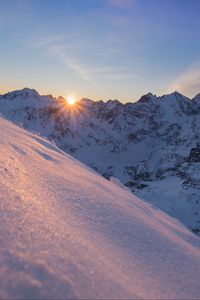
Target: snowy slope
[(151, 146), (66, 232)]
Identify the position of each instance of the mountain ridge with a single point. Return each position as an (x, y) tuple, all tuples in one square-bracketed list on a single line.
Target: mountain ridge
[(31, 91), (147, 144)]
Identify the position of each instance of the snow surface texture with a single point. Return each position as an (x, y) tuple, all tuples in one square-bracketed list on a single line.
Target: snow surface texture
[(151, 146), (66, 232)]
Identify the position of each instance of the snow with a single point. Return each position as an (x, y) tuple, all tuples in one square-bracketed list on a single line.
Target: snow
[(138, 143), (119, 183), (66, 232), (174, 200)]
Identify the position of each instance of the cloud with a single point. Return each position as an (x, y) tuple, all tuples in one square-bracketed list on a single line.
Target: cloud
[(189, 82), (78, 67), (113, 73), (87, 69), (71, 62), (91, 71), (48, 40)]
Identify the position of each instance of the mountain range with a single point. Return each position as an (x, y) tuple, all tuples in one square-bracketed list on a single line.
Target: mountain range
[(151, 146), (68, 233)]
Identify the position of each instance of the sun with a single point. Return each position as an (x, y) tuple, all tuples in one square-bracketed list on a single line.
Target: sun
[(71, 100)]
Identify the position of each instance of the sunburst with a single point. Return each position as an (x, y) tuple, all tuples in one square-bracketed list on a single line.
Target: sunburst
[(71, 100)]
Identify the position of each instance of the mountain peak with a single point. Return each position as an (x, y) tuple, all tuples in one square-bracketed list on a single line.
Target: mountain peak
[(197, 97), (23, 94), (177, 94), (61, 98), (147, 97)]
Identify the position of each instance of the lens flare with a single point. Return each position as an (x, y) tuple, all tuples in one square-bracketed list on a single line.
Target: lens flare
[(71, 100)]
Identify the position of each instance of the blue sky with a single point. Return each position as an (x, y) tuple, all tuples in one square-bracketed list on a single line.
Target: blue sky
[(100, 49)]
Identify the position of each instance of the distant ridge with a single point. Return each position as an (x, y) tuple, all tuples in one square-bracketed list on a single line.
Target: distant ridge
[(148, 145)]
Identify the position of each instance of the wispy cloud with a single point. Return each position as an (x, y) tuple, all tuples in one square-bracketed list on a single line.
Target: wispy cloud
[(113, 73), (67, 50), (78, 67), (189, 82), (71, 62), (91, 71), (47, 40), (59, 45)]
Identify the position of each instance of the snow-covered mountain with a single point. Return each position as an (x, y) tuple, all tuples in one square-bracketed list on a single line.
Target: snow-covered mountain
[(152, 146), (66, 232)]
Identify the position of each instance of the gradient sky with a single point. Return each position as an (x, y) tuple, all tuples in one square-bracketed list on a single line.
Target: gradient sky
[(100, 49)]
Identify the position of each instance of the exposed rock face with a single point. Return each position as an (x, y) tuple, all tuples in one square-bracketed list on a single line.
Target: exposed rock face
[(195, 154), (150, 145)]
